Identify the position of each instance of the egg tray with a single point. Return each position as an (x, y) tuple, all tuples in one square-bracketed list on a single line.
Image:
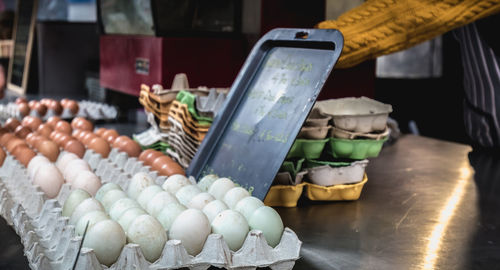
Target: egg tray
[(362, 114), (325, 173), (210, 105), (96, 110), (317, 119), (314, 133), (355, 149), (50, 243), (189, 100), (310, 149), (288, 195), (345, 134)]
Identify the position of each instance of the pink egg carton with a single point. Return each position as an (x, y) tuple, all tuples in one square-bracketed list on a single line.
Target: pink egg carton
[(51, 243)]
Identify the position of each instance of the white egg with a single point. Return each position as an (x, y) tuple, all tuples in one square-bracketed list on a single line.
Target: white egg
[(186, 193), (120, 206), (267, 220), (192, 228), (111, 197), (74, 199), (105, 188), (207, 180), (49, 179), (73, 168), (86, 206), (175, 182), (107, 239), (248, 205), (92, 218), (63, 160), (169, 213), (200, 200), (232, 226), (147, 194), (35, 164), (148, 233), (130, 214), (213, 208), (159, 201), (234, 195), (88, 181), (139, 181), (220, 187)]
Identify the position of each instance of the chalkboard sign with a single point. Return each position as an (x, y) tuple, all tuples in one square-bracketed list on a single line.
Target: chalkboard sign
[(24, 28), (268, 103)]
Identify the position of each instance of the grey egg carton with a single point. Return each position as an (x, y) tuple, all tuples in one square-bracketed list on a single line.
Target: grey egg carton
[(96, 110), (210, 105), (9, 110), (148, 137), (328, 176)]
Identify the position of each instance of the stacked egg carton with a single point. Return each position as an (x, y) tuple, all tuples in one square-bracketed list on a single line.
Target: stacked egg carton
[(50, 243)]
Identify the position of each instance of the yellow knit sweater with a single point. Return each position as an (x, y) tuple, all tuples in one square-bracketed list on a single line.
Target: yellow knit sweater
[(379, 27)]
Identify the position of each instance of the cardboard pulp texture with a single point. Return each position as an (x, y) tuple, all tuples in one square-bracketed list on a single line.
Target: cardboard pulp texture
[(327, 175), (348, 192), (345, 134), (50, 243), (310, 149), (355, 149)]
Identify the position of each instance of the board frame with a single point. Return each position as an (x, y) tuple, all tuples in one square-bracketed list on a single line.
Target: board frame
[(21, 89), (328, 39)]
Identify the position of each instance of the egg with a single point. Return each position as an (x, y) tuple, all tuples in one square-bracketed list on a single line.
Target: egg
[(86, 206), (169, 213), (100, 131), (44, 130), (220, 187), (72, 106), (147, 194), (170, 168), (200, 201), (207, 180), (120, 206), (64, 159), (248, 205), (192, 228), (24, 109), (151, 156), (132, 148), (129, 216), (6, 138), (2, 156), (24, 156), (20, 100), (111, 197), (13, 143), (91, 218), (148, 233), (55, 106), (49, 149), (73, 168), (32, 104), (160, 161), (213, 208), (104, 189), (139, 181), (100, 146), (159, 201), (120, 140), (49, 179), (107, 239), (232, 226), (110, 133), (267, 220), (88, 137), (41, 109), (175, 182), (186, 193), (22, 132), (234, 195), (145, 153), (32, 122), (63, 127), (74, 199), (87, 181), (12, 123), (35, 163), (64, 102), (76, 121), (75, 147), (52, 121)]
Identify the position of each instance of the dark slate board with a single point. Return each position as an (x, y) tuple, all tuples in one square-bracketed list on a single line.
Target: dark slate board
[(267, 105)]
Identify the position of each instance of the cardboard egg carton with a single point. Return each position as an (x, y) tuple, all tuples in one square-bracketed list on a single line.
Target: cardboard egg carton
[(210, 105), (9, 110), (96, 111), (50, 243)]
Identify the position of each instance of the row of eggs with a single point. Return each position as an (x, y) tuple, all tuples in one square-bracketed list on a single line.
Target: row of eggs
[(149, 215)]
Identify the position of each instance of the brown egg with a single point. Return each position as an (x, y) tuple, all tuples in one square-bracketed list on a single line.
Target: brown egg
[(24, 109), (131, 147), (30, 139), (159, 161), (24, 155), (145, 153), (55, 106), (63, 127), (53, 134), (22, 132), (32, 104), (38, 139), (4, 130), (52, 121), (2, 156), (100, 131), (109, 132), (100, 146), (6, 138), (82, 134), (75, 147), (76, 132), (64, 101), (45, 101), (41, 109), (32, 122), (72, 106), (88, 137), (119, 141), (85, 125), (63, 139), (110, 138), (45, 130), (75, 121), (13, 143), (12, 123), (21, 100), (171, 168), (49, 149)]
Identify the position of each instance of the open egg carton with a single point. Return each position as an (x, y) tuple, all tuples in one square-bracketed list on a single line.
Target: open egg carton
[(50, 243), (96, 110), (9, 110)]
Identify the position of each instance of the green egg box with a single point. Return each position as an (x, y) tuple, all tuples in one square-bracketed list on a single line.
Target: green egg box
[(355, 149), (292, 167), (309, 149), (189, 99)]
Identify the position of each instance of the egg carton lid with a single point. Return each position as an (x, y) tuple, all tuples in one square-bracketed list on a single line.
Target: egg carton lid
[(210, 105), (353, 106)]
